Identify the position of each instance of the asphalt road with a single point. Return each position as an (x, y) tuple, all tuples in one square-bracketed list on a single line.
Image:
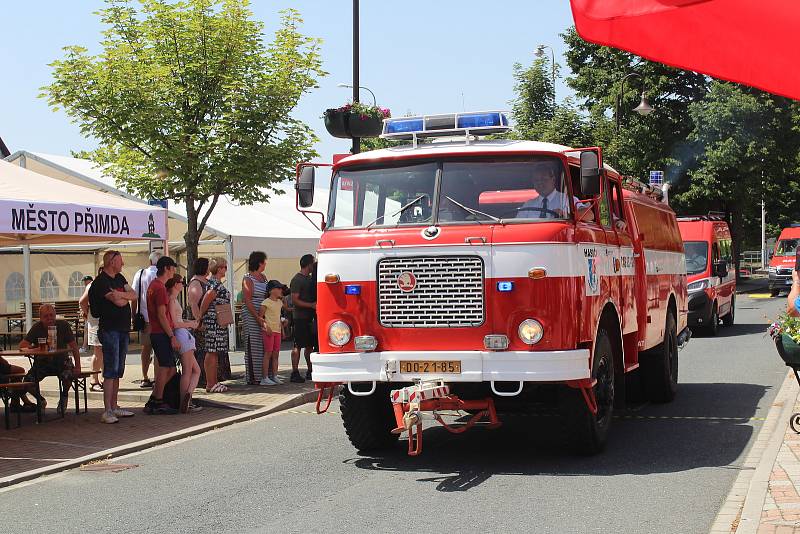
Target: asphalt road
[(296, 472)]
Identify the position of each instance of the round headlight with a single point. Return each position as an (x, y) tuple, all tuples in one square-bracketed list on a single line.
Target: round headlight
[(530, 331), (339, 333)]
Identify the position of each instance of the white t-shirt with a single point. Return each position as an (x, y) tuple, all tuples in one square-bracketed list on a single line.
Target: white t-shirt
[(556, 200), (144, 277)]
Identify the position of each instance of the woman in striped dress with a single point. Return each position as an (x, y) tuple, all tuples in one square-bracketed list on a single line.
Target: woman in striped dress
[(254, 291)]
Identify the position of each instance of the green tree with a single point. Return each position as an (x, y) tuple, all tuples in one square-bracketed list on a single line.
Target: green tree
[(744, 147), (188, 103), (538, 116)]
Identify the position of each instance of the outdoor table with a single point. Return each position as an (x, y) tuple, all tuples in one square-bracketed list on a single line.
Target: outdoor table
[(31, 354)]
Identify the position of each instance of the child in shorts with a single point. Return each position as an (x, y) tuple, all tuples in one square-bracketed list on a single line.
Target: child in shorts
[(271, 326)]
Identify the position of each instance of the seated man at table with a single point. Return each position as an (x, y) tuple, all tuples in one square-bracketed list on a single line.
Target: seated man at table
[(7, 369), (60, 366)]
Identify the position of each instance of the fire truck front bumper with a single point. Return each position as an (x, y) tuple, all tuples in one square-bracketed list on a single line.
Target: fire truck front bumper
[(475, 366)]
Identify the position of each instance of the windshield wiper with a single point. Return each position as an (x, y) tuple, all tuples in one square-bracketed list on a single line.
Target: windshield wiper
[(400, 211), (474, 211)]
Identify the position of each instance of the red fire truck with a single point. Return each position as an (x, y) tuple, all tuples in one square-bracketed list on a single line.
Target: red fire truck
[(457, 273)]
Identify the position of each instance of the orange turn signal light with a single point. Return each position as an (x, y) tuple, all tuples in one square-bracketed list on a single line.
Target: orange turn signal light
[(536, 273), (332, 278)]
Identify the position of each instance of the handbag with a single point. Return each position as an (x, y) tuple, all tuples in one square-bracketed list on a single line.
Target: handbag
[(224, 314), (139, 322)]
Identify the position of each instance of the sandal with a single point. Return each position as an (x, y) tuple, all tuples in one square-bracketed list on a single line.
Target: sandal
[(219, 387), (97, 386), (186, 402)]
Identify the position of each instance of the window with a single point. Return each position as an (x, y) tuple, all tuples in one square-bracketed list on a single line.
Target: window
[(15, 288), (76, 286), (605, 201), (696, 256), (48, 287), (375, 196)]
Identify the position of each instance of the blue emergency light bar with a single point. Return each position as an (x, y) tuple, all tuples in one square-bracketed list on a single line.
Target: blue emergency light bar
[(451, 124)]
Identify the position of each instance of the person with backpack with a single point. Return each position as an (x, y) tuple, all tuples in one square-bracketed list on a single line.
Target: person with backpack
[(141, 281)]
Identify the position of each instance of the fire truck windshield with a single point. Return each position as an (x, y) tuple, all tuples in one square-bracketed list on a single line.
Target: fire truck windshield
[(470, 192), (786, 247), (696, 256)]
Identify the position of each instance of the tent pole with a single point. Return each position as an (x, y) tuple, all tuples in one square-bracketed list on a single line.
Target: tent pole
[(26, 267), (229, 283)]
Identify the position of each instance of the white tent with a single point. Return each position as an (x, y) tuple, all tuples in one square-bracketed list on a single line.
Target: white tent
[(275, 227), (36, 209)]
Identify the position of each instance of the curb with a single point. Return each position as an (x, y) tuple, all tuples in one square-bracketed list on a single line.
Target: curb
[(745, 501), (137, 446)]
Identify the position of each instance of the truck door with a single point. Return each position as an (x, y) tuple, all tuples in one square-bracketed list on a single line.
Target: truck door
[(627, 273)]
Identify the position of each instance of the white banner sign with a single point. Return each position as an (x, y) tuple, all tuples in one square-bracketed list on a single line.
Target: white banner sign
[(20, 217)]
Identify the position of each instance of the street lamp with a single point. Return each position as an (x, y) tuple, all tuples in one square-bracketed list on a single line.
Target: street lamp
[(349, 86), (540, 54), (644, 108)]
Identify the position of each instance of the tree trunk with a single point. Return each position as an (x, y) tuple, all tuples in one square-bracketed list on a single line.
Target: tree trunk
[(191, 237)]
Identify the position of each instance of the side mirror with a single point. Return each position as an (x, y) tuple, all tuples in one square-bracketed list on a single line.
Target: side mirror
[(305, 187), (590, 173), (721, 269)]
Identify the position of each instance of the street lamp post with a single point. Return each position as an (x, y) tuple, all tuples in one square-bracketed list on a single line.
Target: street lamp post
[(540, 54), (356, 141), (643, 108), (374, 101)]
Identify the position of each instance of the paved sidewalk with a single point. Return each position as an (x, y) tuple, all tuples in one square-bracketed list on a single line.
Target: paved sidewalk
[(62, 443), (765, 498), (781, 510)]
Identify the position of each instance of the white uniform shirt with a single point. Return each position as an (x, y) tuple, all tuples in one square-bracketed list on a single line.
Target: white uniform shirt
[(144, 277), (556, 200)]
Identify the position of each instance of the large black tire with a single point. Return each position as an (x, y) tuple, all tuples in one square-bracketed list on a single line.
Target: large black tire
[(729, 317), (774, 292), (660, 366), (712, 327), (369, 420), (587, 433)]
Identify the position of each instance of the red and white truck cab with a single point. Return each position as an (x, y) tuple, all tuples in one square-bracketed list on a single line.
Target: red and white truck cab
[(466, 273), (782, 260), (710, 270)]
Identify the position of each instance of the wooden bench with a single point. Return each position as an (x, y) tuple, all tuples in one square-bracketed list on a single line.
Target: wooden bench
[(7, 393)]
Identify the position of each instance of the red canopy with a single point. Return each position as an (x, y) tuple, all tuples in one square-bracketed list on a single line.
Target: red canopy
[(752, 42)]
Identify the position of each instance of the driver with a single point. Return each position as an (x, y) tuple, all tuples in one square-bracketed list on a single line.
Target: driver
[(551, 203)]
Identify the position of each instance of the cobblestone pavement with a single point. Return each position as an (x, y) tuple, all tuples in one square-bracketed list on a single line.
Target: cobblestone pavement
[(781, 510)]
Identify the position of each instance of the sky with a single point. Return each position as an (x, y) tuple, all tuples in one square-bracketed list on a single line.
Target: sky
[(423, 57)]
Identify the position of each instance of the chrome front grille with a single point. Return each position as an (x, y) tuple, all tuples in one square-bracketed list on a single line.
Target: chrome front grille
[(787, 271), (448, 292)]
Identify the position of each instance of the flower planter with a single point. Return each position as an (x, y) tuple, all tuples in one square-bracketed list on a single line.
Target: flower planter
[(788, 349), (337, 124), (365, 126)]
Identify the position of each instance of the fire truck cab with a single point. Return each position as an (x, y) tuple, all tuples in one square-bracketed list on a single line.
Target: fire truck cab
[(710, 271), (782, 260), (483, 274)]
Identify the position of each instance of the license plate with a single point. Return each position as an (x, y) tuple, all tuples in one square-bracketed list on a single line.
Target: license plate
[(430, 366)]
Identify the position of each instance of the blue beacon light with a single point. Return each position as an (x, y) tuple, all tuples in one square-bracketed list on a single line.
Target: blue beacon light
[(505, 287), (352, 290)]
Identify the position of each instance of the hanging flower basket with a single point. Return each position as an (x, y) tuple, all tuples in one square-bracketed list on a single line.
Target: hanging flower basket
[(365, 126), (788, 349), (355, 120), (336, 122)]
